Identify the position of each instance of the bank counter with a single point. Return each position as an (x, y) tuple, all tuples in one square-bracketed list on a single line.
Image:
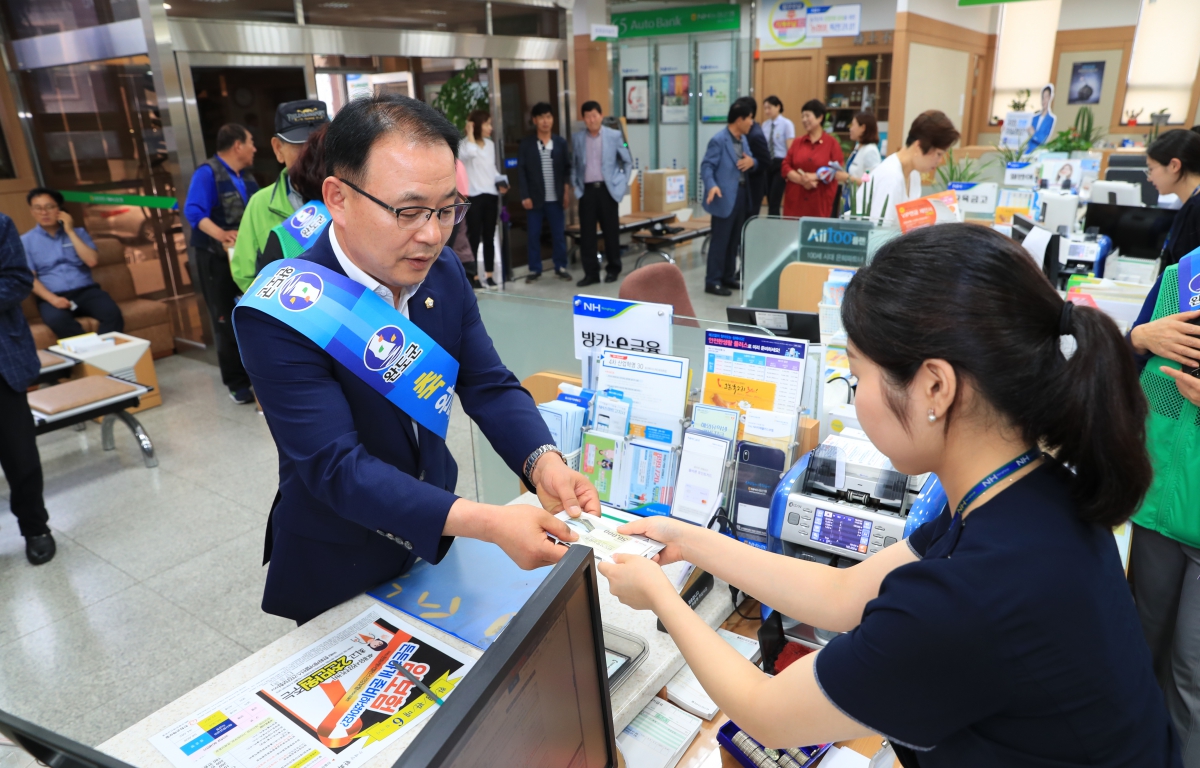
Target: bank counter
[(648, 680)]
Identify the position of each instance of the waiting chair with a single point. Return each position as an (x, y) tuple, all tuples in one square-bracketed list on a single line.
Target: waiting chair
[(660, 284)]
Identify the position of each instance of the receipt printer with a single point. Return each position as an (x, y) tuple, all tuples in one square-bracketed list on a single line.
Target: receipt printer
[(840, 504)]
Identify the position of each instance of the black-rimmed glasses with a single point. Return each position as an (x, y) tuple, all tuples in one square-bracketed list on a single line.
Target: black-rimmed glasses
[(415, 216)]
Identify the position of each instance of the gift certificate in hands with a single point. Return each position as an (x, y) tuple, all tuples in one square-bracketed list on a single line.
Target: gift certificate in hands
[(601, 535)]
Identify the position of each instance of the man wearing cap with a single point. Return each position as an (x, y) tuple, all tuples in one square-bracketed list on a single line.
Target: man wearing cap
[(216, 200), (294, 122)]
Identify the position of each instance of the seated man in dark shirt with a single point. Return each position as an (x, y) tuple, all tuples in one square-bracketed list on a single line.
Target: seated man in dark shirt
[(61, 256)]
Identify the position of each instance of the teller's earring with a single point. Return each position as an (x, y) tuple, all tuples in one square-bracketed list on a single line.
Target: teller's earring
[(932, 416)]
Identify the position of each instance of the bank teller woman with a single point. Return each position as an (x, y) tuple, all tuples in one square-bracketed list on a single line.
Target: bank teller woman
[(996, 636)]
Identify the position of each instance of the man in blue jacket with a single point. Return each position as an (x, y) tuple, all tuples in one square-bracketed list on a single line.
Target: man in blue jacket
[(600, 176), (367, 486), (216, 200), (18, 368), (726, 197), (543, 178)]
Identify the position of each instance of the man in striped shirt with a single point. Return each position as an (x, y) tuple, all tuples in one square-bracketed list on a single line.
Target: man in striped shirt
[(543, 165)]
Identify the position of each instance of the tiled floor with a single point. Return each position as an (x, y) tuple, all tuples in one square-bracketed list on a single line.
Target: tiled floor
[(158, 579)]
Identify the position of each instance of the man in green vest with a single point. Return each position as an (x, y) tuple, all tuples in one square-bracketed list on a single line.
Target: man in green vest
[(294, 122)]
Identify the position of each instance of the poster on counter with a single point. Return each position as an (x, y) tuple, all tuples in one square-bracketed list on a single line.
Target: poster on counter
[(637, 99), (674, 99), (632, 326), (335, 704), (783, 26), (714, 96), (1087, 78), (1016, 130)]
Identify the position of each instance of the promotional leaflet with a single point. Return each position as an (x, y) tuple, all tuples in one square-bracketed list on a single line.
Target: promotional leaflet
[(938, 208), (656, 385), (600, 533), (601, 464), (612, 413), (334, 704), (746, 372), (565, 421), (714, 420), (651, 472), (700, 478)]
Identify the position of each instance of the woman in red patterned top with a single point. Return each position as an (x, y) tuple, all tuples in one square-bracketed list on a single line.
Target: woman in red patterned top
[(805, 194)]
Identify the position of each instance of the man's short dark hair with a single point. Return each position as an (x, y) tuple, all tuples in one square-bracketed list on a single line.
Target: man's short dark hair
[(738, 110), (774, 100), (541, 108), (590, 106), (39, 191), (750, 102), (363, 122), (230, 134), (816, 106), (932, 130)]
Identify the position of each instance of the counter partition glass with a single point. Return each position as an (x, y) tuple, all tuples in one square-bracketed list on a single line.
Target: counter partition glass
[(533, 336), (770, 243)]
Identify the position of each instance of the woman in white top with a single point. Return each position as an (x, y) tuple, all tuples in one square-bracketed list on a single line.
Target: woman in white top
[(864, 132), (478, 154), (898, 178)]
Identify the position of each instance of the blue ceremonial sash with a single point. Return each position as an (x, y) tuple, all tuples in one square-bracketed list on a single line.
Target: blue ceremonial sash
[(1189, 282), (362, 332), (307, 223)]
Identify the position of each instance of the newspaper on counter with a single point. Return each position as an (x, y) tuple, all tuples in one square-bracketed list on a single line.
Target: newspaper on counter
[(334, 704)]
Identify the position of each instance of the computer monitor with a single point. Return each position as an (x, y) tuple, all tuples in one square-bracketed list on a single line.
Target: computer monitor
[(539, 696), (1135, 231), (805, 326), (1116, 193), (50, 748), (1134, 176)]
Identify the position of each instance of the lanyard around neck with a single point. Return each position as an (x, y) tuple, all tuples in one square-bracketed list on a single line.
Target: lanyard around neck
[(984, 485)]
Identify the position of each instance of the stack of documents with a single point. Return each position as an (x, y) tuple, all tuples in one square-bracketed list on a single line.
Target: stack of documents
[(658, 736), (565, 421), (685, 690)]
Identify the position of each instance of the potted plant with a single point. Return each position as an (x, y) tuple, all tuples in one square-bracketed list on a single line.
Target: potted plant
[(461, 95), (960, 170), (1131, 116), (1021, 101)]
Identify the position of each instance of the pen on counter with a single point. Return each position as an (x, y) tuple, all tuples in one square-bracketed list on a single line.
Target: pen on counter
[(412, 679)]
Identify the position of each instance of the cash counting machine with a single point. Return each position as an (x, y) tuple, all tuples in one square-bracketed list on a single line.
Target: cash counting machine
[(842, 503)]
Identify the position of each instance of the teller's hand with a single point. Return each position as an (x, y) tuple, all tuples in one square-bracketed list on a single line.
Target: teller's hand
[(637, 582), (664, 530)]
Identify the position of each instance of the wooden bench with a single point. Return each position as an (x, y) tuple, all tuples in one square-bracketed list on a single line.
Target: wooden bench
[(629, 224), (77, 401), (663, 245)]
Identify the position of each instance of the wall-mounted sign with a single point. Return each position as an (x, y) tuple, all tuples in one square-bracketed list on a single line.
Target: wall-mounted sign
[(605, 31), (1087, 78), (783, 26), (698, 18), (637, 99), (675, 93), (834, 20), (714, 97)]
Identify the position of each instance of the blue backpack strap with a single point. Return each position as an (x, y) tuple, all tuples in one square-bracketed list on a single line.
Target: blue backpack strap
[(362, 332)]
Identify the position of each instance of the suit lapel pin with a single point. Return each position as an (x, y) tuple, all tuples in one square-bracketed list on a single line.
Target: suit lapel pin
[(429, 303)]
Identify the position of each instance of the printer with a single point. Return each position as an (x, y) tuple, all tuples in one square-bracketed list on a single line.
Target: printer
[(842, 503)]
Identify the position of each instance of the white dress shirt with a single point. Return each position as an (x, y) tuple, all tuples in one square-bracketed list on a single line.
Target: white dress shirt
[(779, 132)]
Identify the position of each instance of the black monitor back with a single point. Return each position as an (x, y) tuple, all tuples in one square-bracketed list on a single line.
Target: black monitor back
[(53, 749), (1137, 232), (524, 675), (805, 326)]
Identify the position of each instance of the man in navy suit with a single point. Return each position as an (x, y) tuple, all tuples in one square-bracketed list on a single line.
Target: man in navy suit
[(726, 197), (363, 489), (18, 368)]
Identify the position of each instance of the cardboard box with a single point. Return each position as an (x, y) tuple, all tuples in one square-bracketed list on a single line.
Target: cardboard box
[(665, 189)]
